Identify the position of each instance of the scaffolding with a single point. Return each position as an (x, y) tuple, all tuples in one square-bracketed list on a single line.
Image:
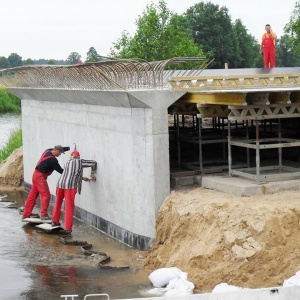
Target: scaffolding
[(259, 95)]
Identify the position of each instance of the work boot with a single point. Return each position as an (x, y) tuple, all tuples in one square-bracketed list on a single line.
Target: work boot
[(53, 224)]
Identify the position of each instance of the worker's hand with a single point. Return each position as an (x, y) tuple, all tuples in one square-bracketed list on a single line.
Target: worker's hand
[(85, 179), (93, 177)]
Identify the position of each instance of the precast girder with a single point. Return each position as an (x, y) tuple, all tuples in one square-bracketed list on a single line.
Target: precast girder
[(212, 111), (213, 98), (234, 82), (263, 112)]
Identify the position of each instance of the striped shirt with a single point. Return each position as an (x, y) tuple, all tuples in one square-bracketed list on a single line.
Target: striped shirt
[(72, 175)]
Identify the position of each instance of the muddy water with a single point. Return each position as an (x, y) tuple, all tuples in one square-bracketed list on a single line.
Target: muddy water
[(36, 265)]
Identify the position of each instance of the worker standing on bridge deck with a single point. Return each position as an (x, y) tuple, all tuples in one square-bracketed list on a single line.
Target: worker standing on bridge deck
[(267, 46), (68, 185)]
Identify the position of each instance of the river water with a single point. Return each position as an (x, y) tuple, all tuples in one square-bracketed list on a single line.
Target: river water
[(8, 123), (36, 265)]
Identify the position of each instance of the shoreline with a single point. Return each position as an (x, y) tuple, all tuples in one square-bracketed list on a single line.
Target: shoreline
[(10, 188)]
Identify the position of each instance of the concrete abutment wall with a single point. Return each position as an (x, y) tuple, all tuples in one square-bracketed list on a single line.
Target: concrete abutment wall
[(126, 133)]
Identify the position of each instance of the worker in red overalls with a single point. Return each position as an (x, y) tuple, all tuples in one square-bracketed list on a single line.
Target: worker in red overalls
[(45, 166), (267, 47)]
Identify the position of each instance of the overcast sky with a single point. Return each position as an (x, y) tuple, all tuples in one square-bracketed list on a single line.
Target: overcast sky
[(52, 29)]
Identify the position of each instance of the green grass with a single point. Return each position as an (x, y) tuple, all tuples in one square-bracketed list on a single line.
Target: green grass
[(14, 142), (9, 102)]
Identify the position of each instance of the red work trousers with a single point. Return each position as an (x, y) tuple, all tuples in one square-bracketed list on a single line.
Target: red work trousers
[(269, 57), (39, 187), (69, 196)]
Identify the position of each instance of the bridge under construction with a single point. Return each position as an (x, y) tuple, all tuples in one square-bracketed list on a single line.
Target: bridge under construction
[(251, 110), (146, 123)]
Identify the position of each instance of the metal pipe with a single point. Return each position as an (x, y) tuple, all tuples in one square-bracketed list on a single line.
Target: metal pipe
[(200, 145), (257, 153), (279, 149), (229, 149)]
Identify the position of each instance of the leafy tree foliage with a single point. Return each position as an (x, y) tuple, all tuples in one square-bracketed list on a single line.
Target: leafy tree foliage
[(92, 55), (248, 46), (28, 61), (160, 35), (286, 55), (43, 61), (15, 60), (292, 28), (212, 27), (8, 101), (73, 58), (4, 63), (51, 62)]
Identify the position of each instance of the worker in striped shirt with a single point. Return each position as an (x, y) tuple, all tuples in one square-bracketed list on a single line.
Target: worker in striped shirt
[(68, 185)]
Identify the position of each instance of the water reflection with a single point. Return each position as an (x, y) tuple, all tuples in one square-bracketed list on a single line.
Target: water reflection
[(8, 123), (13, 264), (44, 268)]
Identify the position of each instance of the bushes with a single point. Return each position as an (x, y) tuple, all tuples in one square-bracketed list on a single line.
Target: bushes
[(14, 142), (9, 102)]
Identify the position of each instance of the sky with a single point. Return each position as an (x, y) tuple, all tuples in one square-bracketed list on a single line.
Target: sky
[(53, 29)]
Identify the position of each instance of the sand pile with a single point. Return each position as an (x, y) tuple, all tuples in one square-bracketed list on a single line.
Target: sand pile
[(12, 172), (215, 237)]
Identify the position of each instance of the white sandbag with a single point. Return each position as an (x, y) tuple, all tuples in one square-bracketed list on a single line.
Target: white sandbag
[(161, 277), (294, 280), (157, 291), (179, 287), (224, 287)]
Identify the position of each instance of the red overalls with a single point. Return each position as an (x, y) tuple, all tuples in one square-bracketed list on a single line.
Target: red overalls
[(39, 187), (269, 51)]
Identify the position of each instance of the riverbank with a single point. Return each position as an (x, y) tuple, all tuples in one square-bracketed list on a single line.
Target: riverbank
[(12, 172), (215, 237)]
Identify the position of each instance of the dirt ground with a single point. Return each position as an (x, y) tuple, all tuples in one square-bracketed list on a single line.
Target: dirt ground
[(248, 242), (12, 172)]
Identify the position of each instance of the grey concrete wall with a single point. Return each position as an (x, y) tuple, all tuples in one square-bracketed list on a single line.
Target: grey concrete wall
[(127, 134), (274, 293)]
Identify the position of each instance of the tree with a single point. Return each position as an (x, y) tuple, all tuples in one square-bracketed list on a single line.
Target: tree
[(92, 55), (212, 28), (28, 61), (248, 46), (15, 60), (73, 58), (159, 36), (51, 62), (4, 63), (286, 56), (293, 27)]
